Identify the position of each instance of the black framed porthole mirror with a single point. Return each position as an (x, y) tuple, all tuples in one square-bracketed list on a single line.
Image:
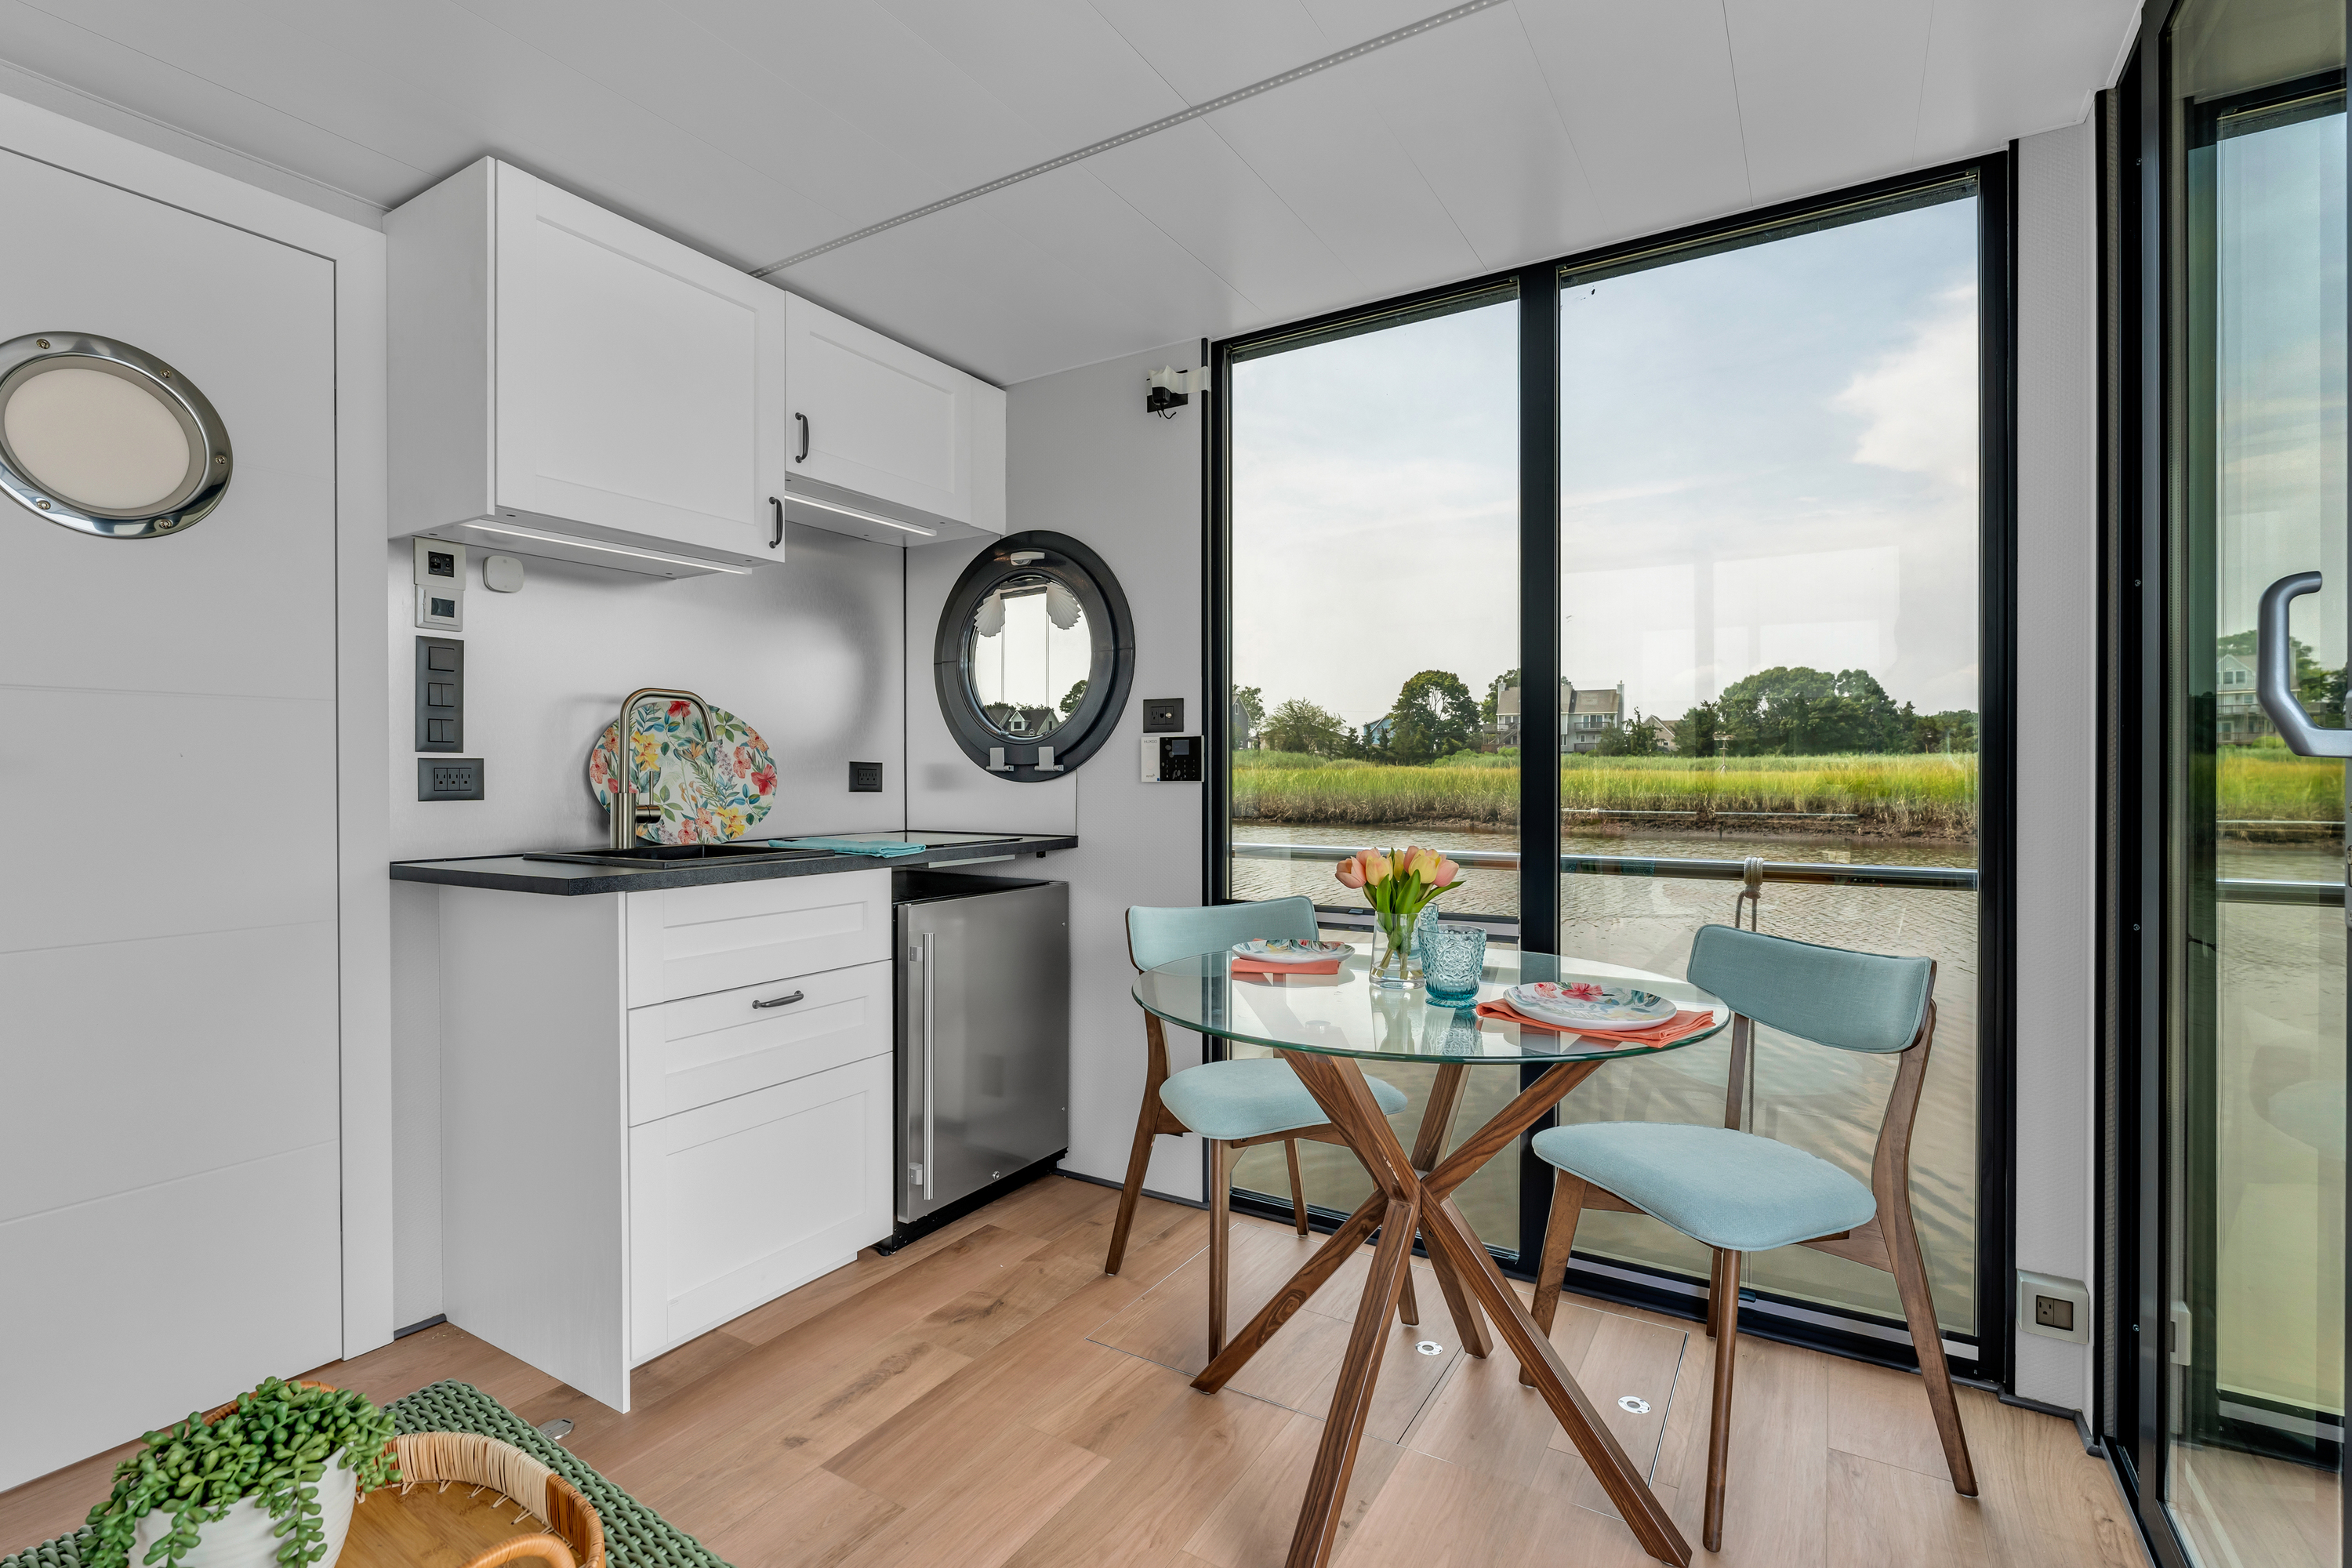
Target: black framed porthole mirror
[(105, 438), (1035, 656)]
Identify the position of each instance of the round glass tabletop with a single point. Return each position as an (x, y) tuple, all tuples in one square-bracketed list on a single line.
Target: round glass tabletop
[(1342, 1015)]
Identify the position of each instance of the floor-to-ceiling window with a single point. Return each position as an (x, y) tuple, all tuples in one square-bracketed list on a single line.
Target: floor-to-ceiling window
[(1770, 473), (1724, 496), (2236, 1377)]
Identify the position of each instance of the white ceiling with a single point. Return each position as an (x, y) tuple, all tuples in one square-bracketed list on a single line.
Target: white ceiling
[(759, 129)]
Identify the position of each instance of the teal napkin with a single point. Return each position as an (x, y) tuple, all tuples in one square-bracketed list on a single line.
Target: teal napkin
[(882, 848)]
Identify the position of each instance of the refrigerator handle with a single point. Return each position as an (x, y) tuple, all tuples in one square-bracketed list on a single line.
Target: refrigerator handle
[(931, 1160)]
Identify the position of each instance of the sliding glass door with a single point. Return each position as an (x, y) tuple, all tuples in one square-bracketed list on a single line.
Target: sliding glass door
[(2240, 1392), (1609, 578)]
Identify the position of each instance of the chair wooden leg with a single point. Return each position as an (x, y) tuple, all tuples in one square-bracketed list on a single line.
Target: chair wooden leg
[(1718, 1427), (1297, 1187), (1714, 1294), (1559, 1237), (1221, 1216), (1927, 1342), (1138, 1159), (1408, 1305)]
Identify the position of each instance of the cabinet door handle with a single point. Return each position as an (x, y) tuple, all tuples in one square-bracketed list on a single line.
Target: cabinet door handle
[(804, 437), (930, 1152), (778, 538), (783, 1001)]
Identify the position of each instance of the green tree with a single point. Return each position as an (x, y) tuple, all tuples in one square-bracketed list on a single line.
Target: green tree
[(1796, 710), (1299, 725), (1697, 733), (1434, 716), (1249, 704), (1638, 737), (1072, 698), (1491, 709), (1954, 730)]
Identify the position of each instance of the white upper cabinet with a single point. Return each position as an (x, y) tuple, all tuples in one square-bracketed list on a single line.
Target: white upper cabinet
[(567, 382), (878, 429)]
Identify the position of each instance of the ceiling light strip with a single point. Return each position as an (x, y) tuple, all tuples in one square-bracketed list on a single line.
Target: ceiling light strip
[(836, 506), (1295, 73), (511, 531)]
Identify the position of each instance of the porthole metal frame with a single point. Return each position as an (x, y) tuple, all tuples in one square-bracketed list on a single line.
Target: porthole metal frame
[(1110, 666), (200, 488)]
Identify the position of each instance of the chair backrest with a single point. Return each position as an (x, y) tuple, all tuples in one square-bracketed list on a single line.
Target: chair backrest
[(1155, 937), (1854, 1001)]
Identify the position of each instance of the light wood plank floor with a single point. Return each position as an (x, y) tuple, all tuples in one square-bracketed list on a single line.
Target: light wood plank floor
[(989, 1397)]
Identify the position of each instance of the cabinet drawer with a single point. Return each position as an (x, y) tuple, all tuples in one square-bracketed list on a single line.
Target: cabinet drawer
[(734, 1204), (689, 942), (701, 1050)]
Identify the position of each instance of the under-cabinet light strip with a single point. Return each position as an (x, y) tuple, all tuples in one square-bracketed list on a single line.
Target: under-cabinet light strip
[(862, 515), (513, 532)]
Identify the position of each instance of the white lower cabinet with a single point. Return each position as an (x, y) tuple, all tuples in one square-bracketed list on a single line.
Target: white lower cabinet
[(734, 1204)]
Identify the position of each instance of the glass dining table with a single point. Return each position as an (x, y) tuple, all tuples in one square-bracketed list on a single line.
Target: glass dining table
[(1325, 1026)]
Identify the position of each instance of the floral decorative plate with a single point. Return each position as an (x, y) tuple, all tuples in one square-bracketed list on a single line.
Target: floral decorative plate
[(707, 791), (1291, 950), (1584, 1005)]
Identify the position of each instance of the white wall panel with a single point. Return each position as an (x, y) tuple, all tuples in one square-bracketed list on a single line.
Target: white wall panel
[(2057, 765)]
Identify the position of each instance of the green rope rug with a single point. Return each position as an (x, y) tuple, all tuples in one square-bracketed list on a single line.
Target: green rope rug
[(635, 1535)]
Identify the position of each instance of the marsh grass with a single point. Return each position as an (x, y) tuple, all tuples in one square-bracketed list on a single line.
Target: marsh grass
[(1930, 795)]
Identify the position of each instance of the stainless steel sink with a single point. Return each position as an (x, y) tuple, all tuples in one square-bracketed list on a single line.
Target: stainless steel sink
[(674, 855)]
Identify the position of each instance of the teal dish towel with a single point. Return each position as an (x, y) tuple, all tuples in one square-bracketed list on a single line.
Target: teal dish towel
[(882, 848)]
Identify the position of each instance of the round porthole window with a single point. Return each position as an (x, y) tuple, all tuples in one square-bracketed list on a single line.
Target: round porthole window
[(1034, 655), (101, 437)]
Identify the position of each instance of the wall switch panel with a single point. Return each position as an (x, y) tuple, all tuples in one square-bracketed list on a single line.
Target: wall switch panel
[(2052, 1308), (865, 778), (1162, 715), (1171, 759), (440, 696), (440, 573), (448, 778)]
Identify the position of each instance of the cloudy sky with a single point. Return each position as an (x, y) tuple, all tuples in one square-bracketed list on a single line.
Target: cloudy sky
[(1769, 458)]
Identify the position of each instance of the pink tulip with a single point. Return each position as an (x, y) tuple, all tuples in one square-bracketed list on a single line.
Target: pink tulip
[(1349, 873), (1447, 873)]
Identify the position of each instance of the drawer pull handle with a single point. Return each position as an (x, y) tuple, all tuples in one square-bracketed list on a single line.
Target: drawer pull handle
[(782, 1000)]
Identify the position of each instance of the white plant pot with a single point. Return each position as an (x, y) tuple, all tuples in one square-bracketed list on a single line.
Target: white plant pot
[(241, 1538)]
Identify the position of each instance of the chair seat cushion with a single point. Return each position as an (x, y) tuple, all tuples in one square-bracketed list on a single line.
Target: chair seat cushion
[(1731, 1190), (1252, 1096)]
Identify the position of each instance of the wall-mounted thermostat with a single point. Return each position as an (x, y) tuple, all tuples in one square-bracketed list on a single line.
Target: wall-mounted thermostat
[(440, 584), (1171, 759)]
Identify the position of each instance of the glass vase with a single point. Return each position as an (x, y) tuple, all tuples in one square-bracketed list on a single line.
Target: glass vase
[(1396, 950)]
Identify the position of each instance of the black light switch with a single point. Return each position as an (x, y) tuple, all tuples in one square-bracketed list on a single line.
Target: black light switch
[(440, 697)]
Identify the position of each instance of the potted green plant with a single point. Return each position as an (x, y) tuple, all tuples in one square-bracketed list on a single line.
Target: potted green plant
[(269, 1479)]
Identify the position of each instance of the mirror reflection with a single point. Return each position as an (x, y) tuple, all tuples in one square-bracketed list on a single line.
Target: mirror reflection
[(1028, 655)]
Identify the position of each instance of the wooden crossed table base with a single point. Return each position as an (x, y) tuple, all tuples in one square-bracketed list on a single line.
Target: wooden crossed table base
[(1413, 1193)]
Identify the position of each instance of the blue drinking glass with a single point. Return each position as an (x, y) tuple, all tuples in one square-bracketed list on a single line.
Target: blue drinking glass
[(1452, 961)]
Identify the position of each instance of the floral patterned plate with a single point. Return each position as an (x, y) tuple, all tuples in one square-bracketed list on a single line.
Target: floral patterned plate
[(1291, 950), (1582, 1004), (706, 791)]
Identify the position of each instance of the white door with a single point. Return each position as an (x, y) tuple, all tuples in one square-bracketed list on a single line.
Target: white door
[(169, 1210), (875, 416), (629, 372), (734, 1204)]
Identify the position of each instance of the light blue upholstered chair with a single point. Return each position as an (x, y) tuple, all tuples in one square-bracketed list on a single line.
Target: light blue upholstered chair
[(1736, 1192), (1232, 1104)]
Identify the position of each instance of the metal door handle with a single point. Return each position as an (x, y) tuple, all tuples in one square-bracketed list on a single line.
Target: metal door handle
[(2274, 674), (779, 537), (930, 1154), (783, 1001), (804, 437)]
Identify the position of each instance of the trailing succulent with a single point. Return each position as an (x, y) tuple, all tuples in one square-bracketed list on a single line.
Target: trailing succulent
[(274, 1448)]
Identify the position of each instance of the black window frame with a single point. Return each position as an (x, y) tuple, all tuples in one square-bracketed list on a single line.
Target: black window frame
[(1985, 1362)]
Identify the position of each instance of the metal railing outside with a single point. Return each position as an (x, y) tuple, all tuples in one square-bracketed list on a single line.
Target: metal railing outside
[(1953, 879)]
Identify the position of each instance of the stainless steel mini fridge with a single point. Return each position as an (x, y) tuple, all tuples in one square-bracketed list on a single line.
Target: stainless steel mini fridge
[(983, 1033)]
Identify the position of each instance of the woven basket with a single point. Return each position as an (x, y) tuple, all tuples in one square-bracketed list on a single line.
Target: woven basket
[(575, 1535)]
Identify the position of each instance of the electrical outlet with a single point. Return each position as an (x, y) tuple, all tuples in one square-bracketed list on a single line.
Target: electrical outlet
[(2052, 1308), (865, 778), (2051, 1312), (1163, 715), (448, 778)]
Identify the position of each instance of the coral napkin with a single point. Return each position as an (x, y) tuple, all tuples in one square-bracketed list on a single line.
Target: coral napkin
[(1259, 966), (1685, 1021)]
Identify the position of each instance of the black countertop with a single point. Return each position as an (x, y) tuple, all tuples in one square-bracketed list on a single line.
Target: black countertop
[(525, 874)]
